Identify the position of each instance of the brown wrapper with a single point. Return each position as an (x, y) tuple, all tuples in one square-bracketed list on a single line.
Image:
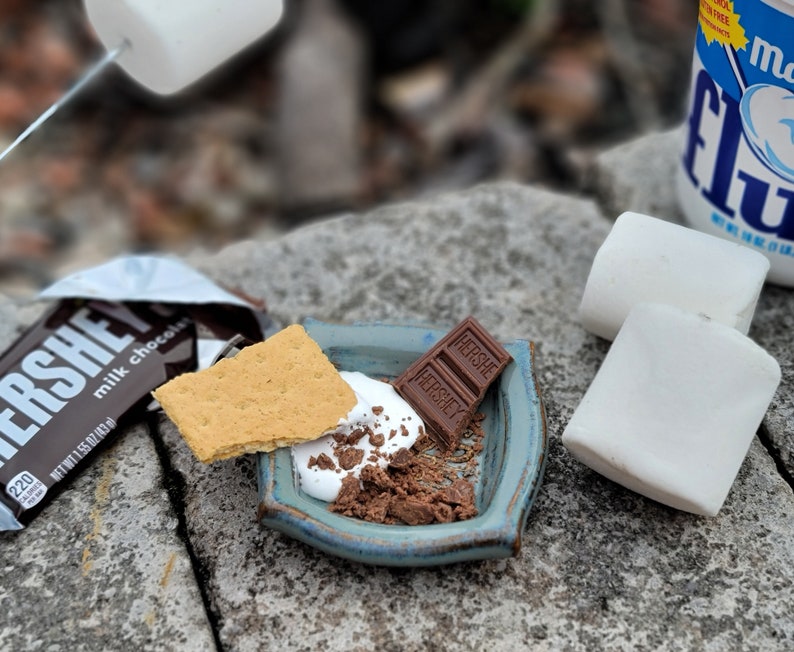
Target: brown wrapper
[(69, 380)]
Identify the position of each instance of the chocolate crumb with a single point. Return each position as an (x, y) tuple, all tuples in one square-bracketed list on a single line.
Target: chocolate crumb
[(401, 458), (459, 492), (324, 462), (465, 512), (378, 508), (412, 511), (348, 492), (377, 410), (377, 440), (443, 513), (356, 436), (376, 477), (348, 457)]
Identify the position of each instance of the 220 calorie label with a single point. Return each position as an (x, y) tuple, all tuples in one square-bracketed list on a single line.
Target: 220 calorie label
[(26, 489)]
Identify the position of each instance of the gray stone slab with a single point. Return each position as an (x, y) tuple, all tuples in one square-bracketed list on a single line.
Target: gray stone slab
[(638, 176), (148, 549), (600, 567), (103, 567), (773, 328)]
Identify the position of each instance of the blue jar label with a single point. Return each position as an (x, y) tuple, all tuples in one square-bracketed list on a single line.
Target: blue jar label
[(744, 43), (737, 174)]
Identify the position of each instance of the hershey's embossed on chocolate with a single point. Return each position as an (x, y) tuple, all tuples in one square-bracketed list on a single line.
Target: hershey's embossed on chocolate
[(446, 385)]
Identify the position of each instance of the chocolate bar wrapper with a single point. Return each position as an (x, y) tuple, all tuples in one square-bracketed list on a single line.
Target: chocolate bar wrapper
[(90, 363)]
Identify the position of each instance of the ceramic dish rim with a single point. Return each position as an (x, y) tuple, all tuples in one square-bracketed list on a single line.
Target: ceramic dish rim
[(496, 532)]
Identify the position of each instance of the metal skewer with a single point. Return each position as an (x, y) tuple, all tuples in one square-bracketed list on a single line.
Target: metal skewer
[(88, 76)]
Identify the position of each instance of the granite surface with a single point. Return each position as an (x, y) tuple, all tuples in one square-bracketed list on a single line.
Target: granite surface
[(150, 550)]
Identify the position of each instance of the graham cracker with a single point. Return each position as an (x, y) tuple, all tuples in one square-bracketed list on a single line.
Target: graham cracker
[(279, 392)]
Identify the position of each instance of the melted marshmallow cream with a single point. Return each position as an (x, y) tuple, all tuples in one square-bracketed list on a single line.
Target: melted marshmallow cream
[(388, 424)]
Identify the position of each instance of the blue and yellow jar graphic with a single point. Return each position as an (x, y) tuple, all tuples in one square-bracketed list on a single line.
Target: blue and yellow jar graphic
[(736, 178)]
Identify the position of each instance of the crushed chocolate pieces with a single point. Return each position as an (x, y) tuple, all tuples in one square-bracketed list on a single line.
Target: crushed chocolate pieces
[(377, 439), (443, 513), (377, 410), (465, 512), (376, 477), (348, 493), (420, 486), (378, 507)]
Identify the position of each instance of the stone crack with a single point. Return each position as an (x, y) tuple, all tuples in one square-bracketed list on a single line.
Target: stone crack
[(777, 458), (175, 486)]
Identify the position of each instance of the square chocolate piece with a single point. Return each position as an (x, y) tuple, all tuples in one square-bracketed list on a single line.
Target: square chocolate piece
[(447, 384)]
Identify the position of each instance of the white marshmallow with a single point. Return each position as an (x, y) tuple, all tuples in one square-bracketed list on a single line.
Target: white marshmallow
[(647, 259), (173, 44), (673, 409), (394, 416)]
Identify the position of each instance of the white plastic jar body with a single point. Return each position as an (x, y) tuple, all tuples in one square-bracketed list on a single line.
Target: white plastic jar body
[(736, 175)]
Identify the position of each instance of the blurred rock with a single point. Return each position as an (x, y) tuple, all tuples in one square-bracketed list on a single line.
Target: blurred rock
[(319, 109), (335, 112), (635, 176), (565, 92)]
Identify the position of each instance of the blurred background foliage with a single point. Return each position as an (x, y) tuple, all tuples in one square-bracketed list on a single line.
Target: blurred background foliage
[(348, 104)]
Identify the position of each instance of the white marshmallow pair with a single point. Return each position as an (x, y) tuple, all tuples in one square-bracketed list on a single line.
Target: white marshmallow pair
[(673, 409)]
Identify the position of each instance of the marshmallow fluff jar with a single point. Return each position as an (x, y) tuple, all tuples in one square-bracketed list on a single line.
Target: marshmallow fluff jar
[(736, 177)]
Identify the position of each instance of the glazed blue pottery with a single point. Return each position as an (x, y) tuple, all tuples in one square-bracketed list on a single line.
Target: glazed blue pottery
[(510, 466)]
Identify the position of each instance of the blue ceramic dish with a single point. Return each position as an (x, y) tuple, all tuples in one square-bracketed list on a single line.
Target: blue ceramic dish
[(510, 466)]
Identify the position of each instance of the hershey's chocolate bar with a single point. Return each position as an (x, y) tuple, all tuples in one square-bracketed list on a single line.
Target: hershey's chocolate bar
[(446, 385), (69, 379)]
